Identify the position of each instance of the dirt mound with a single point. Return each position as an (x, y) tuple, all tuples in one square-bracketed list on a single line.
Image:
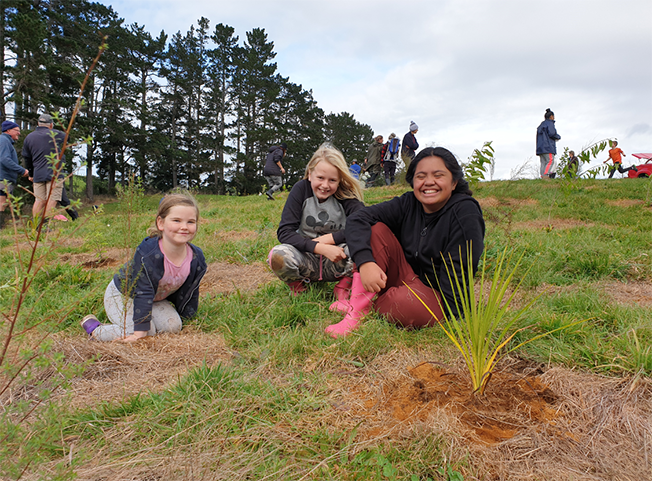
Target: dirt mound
[(115, 371), (224, 278), (532, 423), (511, 403)]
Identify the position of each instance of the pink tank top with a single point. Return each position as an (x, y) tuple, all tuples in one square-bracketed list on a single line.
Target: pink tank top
[(174, 276)]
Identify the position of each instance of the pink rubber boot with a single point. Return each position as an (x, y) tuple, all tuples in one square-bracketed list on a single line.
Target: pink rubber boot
[(360, 305), (342, 290)]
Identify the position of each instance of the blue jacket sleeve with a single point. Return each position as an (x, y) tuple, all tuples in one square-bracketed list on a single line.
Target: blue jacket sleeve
[(10, 164), (552, 132)]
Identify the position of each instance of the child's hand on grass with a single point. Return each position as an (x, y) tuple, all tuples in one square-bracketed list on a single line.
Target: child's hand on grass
[(135, 336)]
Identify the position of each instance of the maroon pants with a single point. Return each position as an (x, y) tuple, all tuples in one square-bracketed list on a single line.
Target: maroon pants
[(396, 302)]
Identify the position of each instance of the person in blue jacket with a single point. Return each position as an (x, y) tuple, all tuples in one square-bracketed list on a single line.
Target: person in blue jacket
[(10, 169), (160, 285), (547, 138)]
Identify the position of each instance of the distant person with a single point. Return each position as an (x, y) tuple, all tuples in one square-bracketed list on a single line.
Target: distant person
[(373, 161), (355, 169), (616, 156), (66, 204), (547, 138), (390, 155), (160, 285), (311, 231), (10, 169), (573, 166), (274, 170), (37, 151), (410, 144)]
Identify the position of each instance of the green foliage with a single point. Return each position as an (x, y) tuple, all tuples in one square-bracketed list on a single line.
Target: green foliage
[(485, 324), (479, 163), (585, 157)]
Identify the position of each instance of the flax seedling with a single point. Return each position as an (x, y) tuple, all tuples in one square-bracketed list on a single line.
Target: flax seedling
[(484, 325)]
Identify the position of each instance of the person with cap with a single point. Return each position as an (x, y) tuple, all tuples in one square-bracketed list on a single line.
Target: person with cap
[(10, 169), (547, 138), (410, 144), (373, 161), (38, 148), (274, 170)]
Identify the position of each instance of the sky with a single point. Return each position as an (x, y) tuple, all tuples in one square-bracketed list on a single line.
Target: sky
[(466, 71)]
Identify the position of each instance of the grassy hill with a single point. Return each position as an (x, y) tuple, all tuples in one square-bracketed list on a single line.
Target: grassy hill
[(253, 389)]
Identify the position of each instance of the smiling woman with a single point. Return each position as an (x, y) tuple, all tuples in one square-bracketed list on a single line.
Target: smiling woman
[(400, 246)]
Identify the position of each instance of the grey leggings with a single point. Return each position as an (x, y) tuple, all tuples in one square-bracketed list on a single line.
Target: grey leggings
[(165, 317)]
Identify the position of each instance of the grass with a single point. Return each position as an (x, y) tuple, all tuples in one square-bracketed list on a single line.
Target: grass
[(274, 410)]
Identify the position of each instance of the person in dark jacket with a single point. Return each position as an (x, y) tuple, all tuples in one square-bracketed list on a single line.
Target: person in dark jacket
[(390, 155), (410, 144), (408, 240), (573, 166), (160, 285), (373, 161), (10, 169), (37, 150), (547, 138), (274, 170), (311, 231)]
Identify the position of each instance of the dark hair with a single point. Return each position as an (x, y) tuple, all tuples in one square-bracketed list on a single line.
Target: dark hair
[(549, 113), (450, 162)]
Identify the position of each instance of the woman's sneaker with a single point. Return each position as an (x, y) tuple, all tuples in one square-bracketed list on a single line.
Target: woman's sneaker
[(90, 323)]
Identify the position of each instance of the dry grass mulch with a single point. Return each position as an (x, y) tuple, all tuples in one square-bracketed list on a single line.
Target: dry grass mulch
[(224, 278), (116, 371), (533, 423)]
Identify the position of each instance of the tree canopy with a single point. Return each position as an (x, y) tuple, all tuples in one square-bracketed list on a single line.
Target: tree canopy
[(198, 109)]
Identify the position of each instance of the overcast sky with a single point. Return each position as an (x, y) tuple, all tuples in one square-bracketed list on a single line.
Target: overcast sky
[(466, 71)]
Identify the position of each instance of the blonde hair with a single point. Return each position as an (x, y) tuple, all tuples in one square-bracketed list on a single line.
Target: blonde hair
[(349, 187), (166, 204)]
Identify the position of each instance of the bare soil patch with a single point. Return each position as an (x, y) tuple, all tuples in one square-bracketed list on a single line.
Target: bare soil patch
[(230, 236), (532, 423), (107, 258), (552, 224), (224, 278), (116, 371), (625, 202), (629, 293), (492, 201)]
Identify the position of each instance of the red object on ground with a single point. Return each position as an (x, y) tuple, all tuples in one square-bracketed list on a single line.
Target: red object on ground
[(644, 170)]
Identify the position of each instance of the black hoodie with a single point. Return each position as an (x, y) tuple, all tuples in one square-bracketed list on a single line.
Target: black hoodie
[(424, 237)]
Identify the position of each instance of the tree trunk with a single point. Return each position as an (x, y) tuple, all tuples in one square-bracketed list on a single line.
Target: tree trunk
[(89, 171)]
